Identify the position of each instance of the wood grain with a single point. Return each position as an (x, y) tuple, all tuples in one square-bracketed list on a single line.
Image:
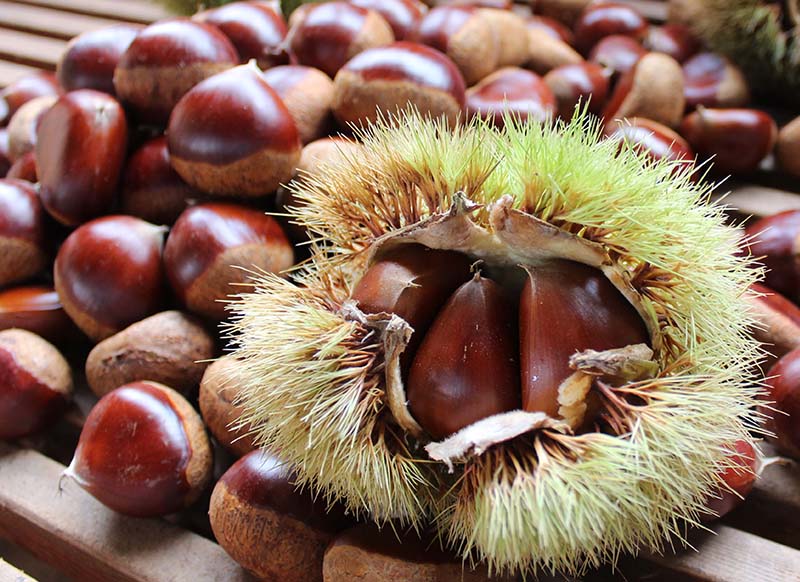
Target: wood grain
[(10, 72), (9, 573), (30, 49), (48, 22), (128, 10), (77, 535)]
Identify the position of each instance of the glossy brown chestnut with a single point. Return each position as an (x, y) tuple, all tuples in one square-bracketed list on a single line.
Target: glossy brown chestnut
[(787, 150), (23, 126), (618, 53), (776, 240), (308, 95), (143, 451), (151, 189), (36, 386), (712, 80), (80, 150), (603, 19), (588, 312), (739, 479), (403, 16), (467, 367), (35, 308), (23, 90), (206, 245), (511, 90), (91, 57), (169, 347), (565, 11), (551, 27), (108, 274), (256, 30), (675, 40), (267, 525), (778, 319), (658, 141), (332, 33), (652, 89), (24, 169), (579, 83), (218, 390), (783, 393), (167, 59), (546, 53), (413, 282), (738, 139), (390, 78), (231, 135), (22, 252)]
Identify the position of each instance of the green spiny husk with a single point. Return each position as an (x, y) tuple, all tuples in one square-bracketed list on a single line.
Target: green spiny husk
[(314, 384)]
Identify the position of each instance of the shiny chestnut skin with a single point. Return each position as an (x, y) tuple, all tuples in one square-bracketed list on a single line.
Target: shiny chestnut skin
[(167, 59), (711, 80), (267, 525), (143, 451), (308, 94), (519, 92), (208, 241), (579, 83), (737, 138), (22, 232), (255, 29), (783, 394), (332, 33), (775, 238), (36, 386), (23, 126), (91, 57), (656, 140), (787, 149), (403, 16), (108, 274), (35, 308), (779, 320), (26, 88), (81, 143), (231, 135), (603, 19), (551, 27), (151, 189), (618, 53), (676, 40), (738, 478), (24, 169), (389, 78)]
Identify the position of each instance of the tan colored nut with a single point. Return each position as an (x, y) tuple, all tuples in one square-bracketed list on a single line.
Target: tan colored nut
[(788, 148), (545, 53)]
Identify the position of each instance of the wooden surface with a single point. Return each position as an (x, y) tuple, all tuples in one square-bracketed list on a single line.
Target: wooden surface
[(9, 573)]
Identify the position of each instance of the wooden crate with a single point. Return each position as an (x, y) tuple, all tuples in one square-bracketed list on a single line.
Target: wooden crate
[(61, 525)]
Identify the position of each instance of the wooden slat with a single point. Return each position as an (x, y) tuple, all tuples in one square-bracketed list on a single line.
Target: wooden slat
[(29, 49), (10, 72), (80, 537), (9, 573), (129, 10), (48, 22)]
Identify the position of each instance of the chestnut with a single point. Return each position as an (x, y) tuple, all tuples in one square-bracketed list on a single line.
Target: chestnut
[(675, 40), (712, 80), (37, 383), (143, 451), (510, 31), (169, 347), (787, 148), (206, 245), (108, 274), (618, 53), (23, 125), (653, 89), (603, 19), (218, 391), (26, 88), (80, 149), (403, 16), (268, 526), (551, 27), (231, 135), (738, 479), (255, 29), (22, 252), (24, 169), (151, 189), (546, 53), (332, 33), (565, 11), (90, 58), (511, 90), (778, 321), (5, 157), (308, 95), (738, 139), (658, 141), (165, 60), (35, 308), (578, 83), (773, 239), (383, 80), (783, 393)]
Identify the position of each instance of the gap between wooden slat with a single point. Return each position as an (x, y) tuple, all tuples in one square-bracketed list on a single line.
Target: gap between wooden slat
[(10, 72), (49, 22), (129, 10), (29, 49)]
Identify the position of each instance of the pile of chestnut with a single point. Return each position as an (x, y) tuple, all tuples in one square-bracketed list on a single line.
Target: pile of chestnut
[(138, 180)]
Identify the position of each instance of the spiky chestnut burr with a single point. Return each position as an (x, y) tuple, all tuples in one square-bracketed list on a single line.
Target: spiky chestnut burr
[(639, 437)]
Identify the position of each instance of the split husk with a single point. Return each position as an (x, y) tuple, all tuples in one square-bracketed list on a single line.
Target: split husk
[(321, 383)]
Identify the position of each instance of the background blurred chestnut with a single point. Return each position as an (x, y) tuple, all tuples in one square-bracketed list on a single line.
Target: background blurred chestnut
[(774, 240), (308, 94), (658, 141), (545, 52), (22, 253), (24, 169), (788, 148), (783, 383), (676, 40), (512, 90), (26, 88), (603, 19), (35, 308), (403, 16), (579, 83), (5, 158), (618, 53), (712, 80)]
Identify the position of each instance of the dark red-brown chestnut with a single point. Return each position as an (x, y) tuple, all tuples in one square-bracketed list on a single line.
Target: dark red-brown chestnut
[(787, 149), (35, 308), (512, 90), (676, 40), (23, 125), (22, 253), (308, 94), (656, 140), (711, 80), (775, 240), (24, 169), (738, 479), (403, 16), (551, 27), (783, 394), (579, 83), (603, 19), (618, 53), (26, 88)]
